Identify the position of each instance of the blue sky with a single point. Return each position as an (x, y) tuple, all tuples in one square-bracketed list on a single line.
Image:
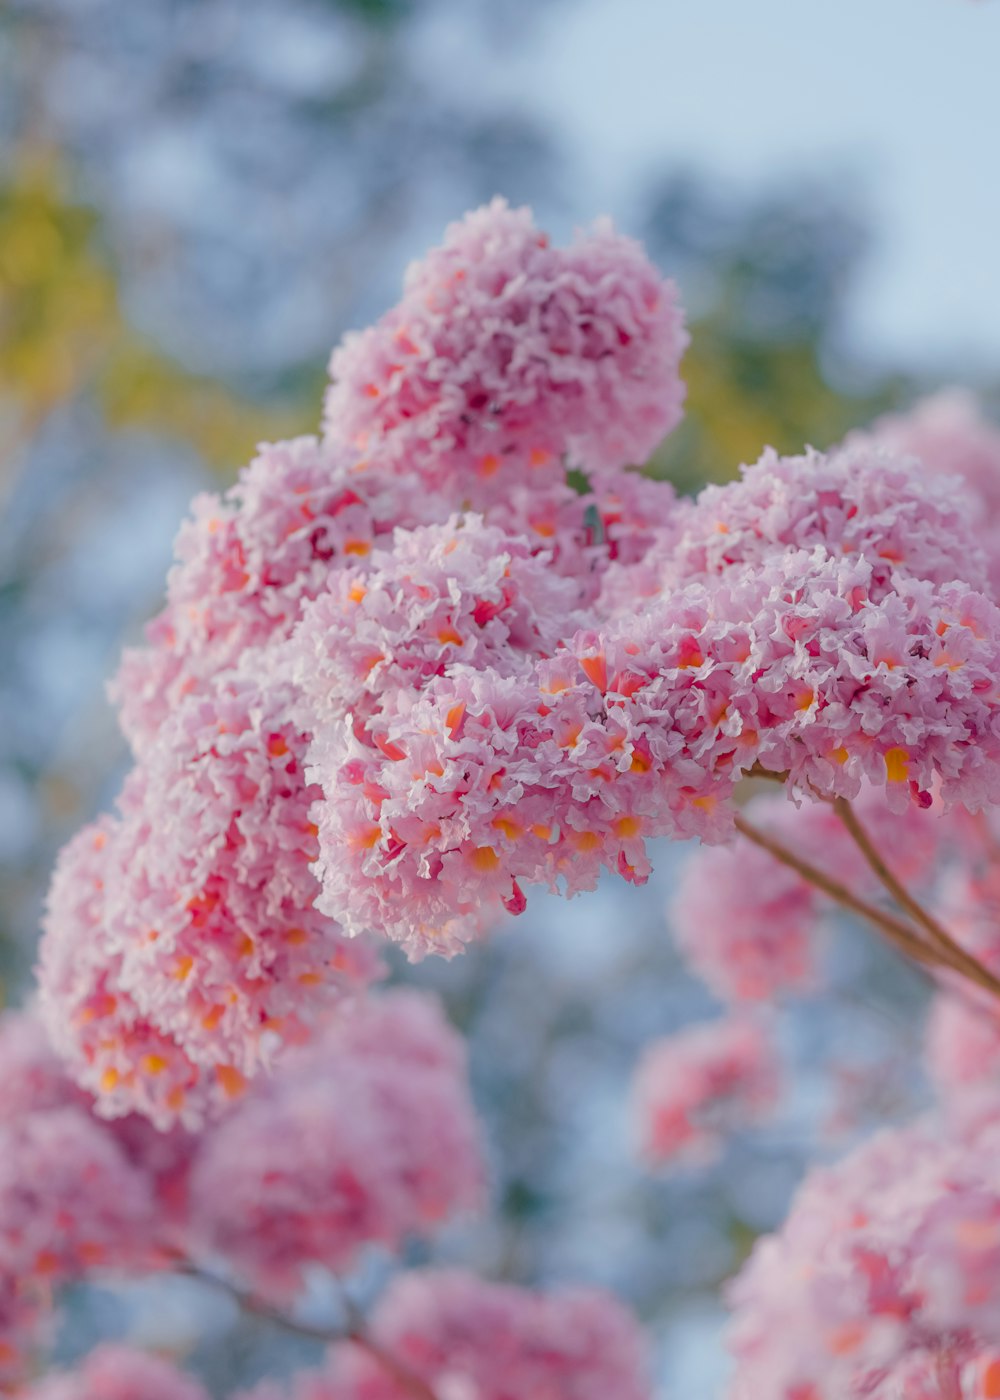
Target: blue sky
[(901, 95)]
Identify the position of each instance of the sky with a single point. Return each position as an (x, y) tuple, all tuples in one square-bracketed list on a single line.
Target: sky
[(901, 96)]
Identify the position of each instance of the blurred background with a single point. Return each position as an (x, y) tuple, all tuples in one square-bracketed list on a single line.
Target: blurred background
[(197, 197)]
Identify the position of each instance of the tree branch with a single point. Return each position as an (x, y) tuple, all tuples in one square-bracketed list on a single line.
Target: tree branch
[(355, 1332), (952, 954), (898, 933)]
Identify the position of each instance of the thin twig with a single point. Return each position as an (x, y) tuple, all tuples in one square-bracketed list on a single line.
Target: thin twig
[(250, 1303), (355, 1332), (358, 1333), (898, 933), (953, 954)]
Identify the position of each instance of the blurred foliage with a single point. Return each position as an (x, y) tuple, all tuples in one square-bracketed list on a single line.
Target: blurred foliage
[(63, 333), (769, 276)]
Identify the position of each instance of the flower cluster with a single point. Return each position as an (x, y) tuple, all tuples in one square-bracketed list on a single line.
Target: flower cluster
[(118, 1373), (365, 1136), (366, 710), (188, 936), (865, 502), (696, 1086), (181, 938), (459, 594), (952, 439), (886, 1272), (72, 1197), (481, 782), (506, 357), (464, 1337)]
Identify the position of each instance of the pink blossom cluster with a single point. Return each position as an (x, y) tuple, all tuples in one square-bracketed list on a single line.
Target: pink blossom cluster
[(483, 782), (187, 939), (952, 438), (861, 501), (507, 357), (365, 1137), (118, 1373), (886, 1274), (366, 710), (73, 1196), (693, 1088), (407, 670), (181, 938), (444, 1329), (462, 1336), (963, 1028)]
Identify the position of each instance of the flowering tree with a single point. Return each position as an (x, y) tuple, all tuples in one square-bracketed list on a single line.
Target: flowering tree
[(454, 648)]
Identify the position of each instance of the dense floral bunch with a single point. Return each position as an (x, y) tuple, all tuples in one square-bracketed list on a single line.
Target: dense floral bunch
[(888, 1263), (118, 1373), (693, 1087), (460, 1336), (389, 718), (367, 1137), (458, 646)]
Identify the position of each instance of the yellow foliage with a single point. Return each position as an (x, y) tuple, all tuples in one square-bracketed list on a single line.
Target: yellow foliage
[(63, 334)]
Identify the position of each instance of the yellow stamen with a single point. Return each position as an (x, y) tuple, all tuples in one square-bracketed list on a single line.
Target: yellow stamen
[(897, 765)]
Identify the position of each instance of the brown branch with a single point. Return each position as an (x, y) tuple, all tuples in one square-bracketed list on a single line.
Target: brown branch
[(952, 954), (355, 1332), (358, 1333), (898, 933)]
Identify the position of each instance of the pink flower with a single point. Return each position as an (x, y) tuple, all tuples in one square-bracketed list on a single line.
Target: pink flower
[(181, 944), (465, 1337), (366, 1136), (506, 356), (887, 1267), (693, 1088), (118, 1373), (461, 592), (246, 565), (950, 435), (37, 1080), (109, 1047), (70, 1203), (480, 783), (860, 501)]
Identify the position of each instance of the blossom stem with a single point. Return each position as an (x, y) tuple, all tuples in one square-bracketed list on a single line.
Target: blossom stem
[(355, 1332), (898, 933), (952, 953)]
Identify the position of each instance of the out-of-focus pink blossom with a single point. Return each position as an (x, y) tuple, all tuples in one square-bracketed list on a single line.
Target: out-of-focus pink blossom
[(118, 1373), (70, 1203), (747, 924), (693, 1088), (366, 1136), (888, 1267), (465, 1337)]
